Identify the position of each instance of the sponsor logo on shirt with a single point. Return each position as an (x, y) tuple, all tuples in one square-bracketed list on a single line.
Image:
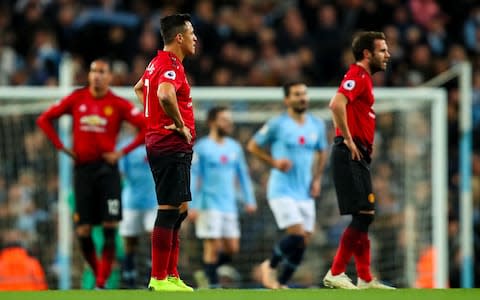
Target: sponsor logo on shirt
[(349, 84), (170, 75), (93, 123)]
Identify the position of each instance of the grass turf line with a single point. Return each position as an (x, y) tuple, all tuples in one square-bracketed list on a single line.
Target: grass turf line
[(299, 294)]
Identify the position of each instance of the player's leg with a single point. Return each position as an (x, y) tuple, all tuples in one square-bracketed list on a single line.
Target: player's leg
[(173, 275), (287, 216), (208, 228), (130, 229), (108, 186), (307, 210), (230, 233), (293, 255), (210, 260), (85, 214), (347, 195), (361, 222), (171, 175)]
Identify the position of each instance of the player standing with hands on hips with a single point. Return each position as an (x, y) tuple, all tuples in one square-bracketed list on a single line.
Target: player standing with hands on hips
[(354, 120), (165, 93), (97, 117)]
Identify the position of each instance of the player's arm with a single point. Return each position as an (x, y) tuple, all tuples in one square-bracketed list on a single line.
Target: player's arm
[(246, 183), (282, 164), (45, 122), (138, 88), (168, 101), (338, 106), (318, 168)]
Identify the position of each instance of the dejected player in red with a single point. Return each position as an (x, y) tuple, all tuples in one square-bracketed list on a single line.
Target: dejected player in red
[(354, 120), (97, 116), (165, 92)]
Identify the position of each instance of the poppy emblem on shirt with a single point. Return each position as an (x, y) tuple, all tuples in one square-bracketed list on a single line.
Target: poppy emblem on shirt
[(223, 159), (301, 140), (170, 75), (108, 110), (349, 85)]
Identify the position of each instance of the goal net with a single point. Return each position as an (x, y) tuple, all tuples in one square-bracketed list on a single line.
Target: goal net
[(409, 239)]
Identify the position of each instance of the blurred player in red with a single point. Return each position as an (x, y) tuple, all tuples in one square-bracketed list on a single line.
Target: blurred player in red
[(354, 120), (97, 117), (165, 92)]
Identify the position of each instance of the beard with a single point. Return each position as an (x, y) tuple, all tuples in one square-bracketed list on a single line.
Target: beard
[(223, 132), (299, 110), (376, 66)]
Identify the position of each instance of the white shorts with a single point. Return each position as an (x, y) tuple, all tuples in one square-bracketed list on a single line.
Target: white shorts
[(136, 222), (213, 224), (288, 212)]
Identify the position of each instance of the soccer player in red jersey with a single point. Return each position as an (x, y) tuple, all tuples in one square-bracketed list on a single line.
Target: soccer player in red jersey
[(354, 120), (165, 93), (97, 117)]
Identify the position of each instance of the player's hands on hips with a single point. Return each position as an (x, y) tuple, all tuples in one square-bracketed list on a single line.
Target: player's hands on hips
[(70, 153), (184, 131), (356, 155), (250, 209), (282, 164), (112, 157)]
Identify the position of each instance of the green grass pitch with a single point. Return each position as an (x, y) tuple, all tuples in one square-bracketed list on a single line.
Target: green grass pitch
[(300, 294)]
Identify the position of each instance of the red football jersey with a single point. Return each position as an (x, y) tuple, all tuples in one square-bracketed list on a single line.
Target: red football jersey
[(96, 123), (357, 86), (166, 67)]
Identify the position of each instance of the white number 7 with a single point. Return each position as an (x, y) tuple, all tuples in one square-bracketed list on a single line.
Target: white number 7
[(147, 85)]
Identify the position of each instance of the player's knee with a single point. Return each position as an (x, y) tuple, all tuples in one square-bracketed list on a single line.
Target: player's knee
[(109, 236), (362, 222), (296, 241), (166, 218)]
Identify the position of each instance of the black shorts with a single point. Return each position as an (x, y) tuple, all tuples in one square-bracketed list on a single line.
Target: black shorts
[(171, 173), (97, 193), (352, 180)]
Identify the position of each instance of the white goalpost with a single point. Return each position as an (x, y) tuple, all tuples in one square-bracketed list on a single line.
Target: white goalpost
[(411, 140)]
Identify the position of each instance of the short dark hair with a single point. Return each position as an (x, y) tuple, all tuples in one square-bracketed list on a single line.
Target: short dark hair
[(172, 25), (214, 111), (103, 59), (365, 40), (287, 85)]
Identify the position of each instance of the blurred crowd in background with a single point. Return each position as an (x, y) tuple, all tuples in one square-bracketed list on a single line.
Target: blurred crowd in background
[(241, 43)]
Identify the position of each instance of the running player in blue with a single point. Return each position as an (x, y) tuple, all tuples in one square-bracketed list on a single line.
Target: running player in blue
[(218, 165), (298, 151), (139, 204)]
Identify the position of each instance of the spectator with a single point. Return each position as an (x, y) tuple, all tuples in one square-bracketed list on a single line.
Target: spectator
[(19, 270)]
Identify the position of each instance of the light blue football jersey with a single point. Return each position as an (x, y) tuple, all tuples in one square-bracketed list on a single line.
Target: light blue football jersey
[(216, 170), (297, 143), (138, 191)]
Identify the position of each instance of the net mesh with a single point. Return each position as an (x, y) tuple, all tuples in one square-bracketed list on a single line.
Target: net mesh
[(401, 234)]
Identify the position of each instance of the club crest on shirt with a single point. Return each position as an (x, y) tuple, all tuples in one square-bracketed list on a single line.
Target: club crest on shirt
[(108, 110), (170, 75), (349, 84)]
